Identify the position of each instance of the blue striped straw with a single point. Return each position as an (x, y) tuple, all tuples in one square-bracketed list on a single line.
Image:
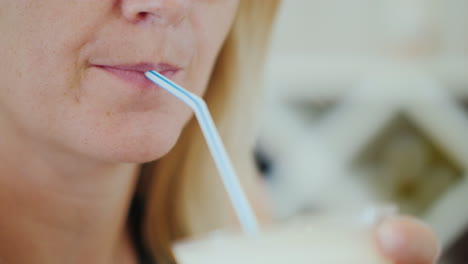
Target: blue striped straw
[(231, 182)]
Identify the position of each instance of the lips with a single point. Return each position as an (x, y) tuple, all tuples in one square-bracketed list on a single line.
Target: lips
[(134, 73)]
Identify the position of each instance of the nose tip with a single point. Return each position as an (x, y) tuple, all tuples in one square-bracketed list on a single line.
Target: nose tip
[(163, 12)]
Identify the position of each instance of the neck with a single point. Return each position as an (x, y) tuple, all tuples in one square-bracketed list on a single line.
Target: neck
[(60, 209)]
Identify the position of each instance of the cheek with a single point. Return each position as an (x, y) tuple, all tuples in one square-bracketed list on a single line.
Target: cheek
[(210, 37), (40, 65), (36, 84), (44, 37)]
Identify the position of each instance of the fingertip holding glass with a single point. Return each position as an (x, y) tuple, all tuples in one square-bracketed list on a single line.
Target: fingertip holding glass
[(229, 178)]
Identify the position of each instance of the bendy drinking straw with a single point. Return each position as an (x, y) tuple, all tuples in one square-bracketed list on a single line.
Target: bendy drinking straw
[(231, 182)]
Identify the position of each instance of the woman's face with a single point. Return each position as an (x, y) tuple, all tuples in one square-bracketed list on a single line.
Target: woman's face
[(71, 72)]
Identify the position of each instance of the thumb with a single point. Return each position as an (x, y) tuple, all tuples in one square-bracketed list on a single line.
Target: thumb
[(406, 240)]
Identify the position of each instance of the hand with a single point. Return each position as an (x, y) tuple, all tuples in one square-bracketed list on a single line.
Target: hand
[(406, 240)]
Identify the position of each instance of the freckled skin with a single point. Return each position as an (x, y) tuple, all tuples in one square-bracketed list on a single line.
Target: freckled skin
[(50, 91)]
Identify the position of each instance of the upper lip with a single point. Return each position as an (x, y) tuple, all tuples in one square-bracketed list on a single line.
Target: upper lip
[(144, 67)]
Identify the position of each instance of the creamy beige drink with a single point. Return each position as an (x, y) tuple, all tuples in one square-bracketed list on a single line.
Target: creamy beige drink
[(318, 241)]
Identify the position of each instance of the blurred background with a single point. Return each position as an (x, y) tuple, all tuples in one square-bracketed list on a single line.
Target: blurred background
[(367, 103)]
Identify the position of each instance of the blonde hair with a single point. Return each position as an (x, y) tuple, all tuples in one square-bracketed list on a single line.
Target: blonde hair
[(182, 191)]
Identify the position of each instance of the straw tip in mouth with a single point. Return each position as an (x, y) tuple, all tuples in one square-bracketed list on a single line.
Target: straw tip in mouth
[(148, 73)]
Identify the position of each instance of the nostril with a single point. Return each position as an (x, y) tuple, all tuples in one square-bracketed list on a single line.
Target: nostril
[(264, 164), (142, 15)]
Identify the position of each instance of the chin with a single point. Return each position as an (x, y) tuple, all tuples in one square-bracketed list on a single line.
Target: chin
[(126, 138), (142, 155), (143, 150), (130, 148)]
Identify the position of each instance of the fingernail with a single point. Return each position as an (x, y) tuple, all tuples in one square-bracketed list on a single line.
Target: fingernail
[(391, 241)]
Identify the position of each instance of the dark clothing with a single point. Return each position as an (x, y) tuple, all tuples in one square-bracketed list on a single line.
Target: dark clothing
[(135, 220)]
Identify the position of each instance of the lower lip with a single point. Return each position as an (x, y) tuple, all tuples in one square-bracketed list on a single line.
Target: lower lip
[(138, 79)]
